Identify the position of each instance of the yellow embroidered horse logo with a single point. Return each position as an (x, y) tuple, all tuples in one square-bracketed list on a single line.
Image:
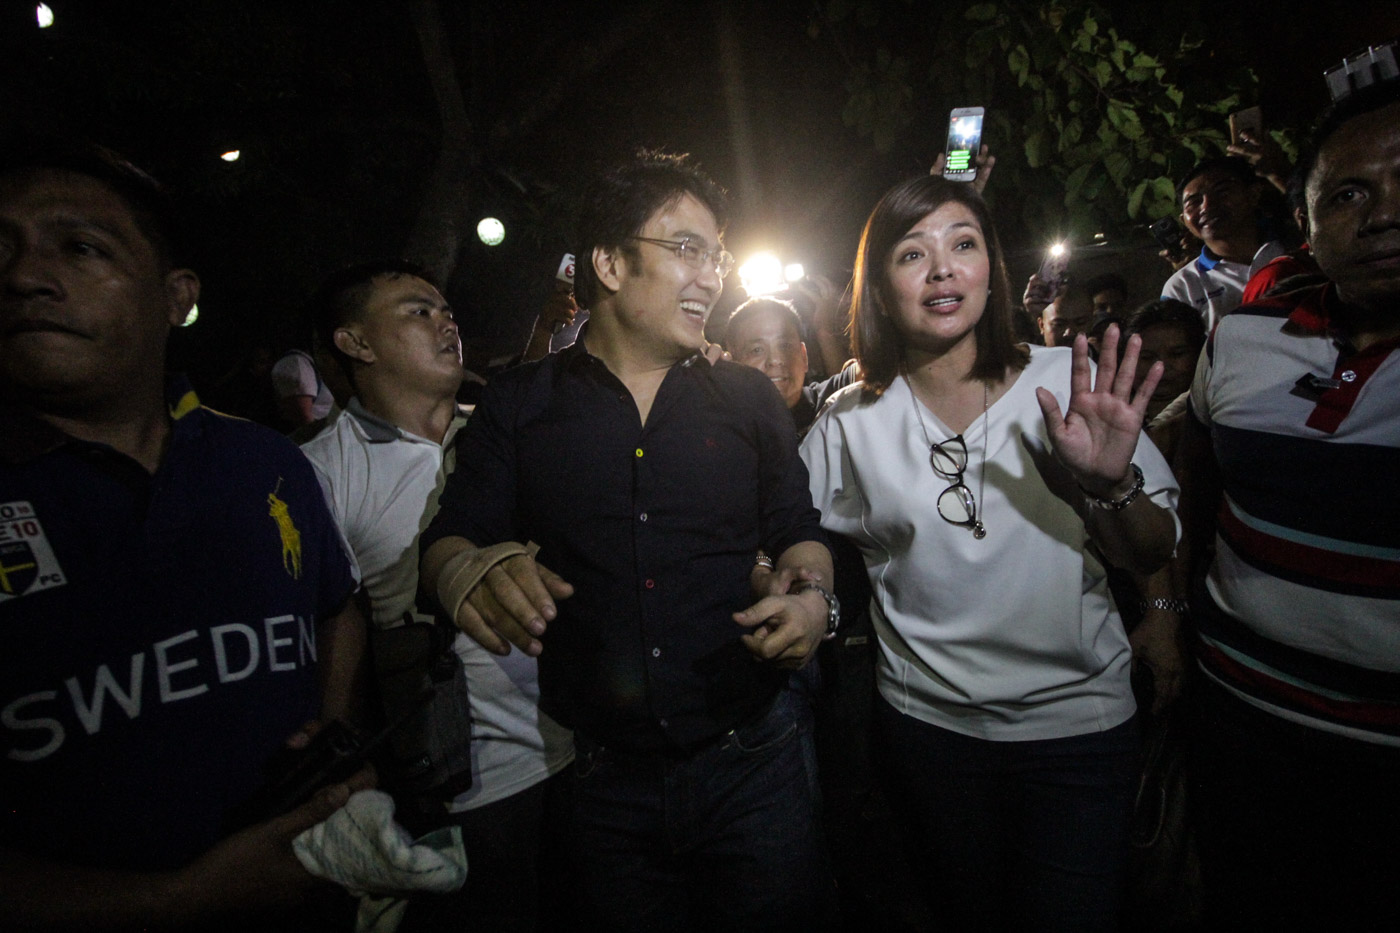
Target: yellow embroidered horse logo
[(291, 538)]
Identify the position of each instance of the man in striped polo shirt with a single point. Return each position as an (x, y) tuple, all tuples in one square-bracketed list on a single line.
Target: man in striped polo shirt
[(1298, 402)]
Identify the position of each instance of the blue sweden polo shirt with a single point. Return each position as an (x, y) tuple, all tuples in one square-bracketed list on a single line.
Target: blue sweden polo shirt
[(158, 632)]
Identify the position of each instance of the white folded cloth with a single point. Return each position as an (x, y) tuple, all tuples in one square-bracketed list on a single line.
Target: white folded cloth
[(361, 848)]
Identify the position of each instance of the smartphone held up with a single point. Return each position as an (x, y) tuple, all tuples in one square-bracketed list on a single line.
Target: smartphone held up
[(964, 141)]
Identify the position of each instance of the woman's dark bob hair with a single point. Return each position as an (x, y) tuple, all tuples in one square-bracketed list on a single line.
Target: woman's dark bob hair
[(877, 344)]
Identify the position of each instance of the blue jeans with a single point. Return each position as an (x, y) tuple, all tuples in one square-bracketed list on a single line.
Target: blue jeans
[(1026, 835), (726, 838)]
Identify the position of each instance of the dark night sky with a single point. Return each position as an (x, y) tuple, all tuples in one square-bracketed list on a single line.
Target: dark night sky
[(331, 105)]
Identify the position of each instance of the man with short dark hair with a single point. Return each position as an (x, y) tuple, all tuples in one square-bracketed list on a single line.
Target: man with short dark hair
[(1220, 207), (174, 601), (383, 463), (1069, 314), (1108, 296), (604, 517), (1297, 422)]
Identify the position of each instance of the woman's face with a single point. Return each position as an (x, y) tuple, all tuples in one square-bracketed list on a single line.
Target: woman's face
[(938, 274)]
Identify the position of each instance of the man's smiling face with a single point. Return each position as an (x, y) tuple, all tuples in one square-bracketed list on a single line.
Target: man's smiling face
[(662, 300)]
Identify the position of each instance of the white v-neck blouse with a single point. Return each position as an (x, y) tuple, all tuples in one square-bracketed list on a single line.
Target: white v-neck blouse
[(1010, 637)]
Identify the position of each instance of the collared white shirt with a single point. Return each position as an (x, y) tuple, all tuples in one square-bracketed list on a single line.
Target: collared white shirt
[(1215, 286), (382, 484)]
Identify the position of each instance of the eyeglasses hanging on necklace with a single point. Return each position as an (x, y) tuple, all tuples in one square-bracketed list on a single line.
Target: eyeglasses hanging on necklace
[(956, 504)]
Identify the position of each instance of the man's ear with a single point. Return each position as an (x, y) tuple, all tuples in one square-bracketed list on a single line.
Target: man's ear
[(805, 365), (181, 293), (351, 342), (609, 265)]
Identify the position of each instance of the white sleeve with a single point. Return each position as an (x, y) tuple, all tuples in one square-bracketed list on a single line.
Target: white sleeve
[(835, 491), (1200, 384), (294, 375), (337, 508)]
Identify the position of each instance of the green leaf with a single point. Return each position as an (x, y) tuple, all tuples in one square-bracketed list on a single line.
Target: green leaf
[(1075, 182), (1093, 185), (1135, 198), (981, 12), (1103, 72), (1035, 149), (1124, 119), (1119, 166), (1019, 61), (1073, 132), (1091, 26), (1162, 202)]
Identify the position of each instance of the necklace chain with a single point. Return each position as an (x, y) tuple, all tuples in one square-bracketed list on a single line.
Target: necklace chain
[(978, 531)]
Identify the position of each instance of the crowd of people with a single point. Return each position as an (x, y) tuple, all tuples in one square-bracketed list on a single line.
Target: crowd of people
[(631, 638)]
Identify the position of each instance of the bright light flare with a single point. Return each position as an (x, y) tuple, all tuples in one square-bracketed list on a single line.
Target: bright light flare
[(44, 15), (762, 274), (794, 272), (231, 156), (1057, 250), (192, 316), (491, 231)]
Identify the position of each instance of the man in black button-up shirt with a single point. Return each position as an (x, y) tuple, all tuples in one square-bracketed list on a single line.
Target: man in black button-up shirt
[(649, 479)]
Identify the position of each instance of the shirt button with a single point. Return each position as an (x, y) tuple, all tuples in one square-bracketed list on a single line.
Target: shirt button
[(656, 652), (642, 517), (650, 584), (639, 451), (1348, 376)]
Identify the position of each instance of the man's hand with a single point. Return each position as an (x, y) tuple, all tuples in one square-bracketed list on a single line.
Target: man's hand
[(255, 867), (252, 870), (1156, 642), (714, 352), (1038, 296), (786, 628), (1187, 250), (766, 581), (557, 313), (512, 605), (1265, 156)]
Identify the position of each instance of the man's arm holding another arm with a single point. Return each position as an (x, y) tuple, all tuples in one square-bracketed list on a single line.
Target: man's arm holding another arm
[(788, 627), (511, 603)]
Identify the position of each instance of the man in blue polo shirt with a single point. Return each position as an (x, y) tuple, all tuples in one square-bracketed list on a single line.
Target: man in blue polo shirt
[(174, 603)]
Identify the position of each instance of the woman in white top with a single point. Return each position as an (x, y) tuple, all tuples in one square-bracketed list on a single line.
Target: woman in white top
[(986, 484)]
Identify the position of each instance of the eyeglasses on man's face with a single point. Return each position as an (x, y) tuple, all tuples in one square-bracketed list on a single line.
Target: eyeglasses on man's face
[(694, 254)]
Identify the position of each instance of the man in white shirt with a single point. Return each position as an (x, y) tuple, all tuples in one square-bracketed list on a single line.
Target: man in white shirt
[(1219, 205), (383, 463)]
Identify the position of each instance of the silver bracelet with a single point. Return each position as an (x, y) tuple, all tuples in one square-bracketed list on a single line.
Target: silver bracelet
[(1123, 501), (1180, 606)]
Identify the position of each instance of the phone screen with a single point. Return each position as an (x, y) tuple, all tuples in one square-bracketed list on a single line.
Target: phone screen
[(964, 139)]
